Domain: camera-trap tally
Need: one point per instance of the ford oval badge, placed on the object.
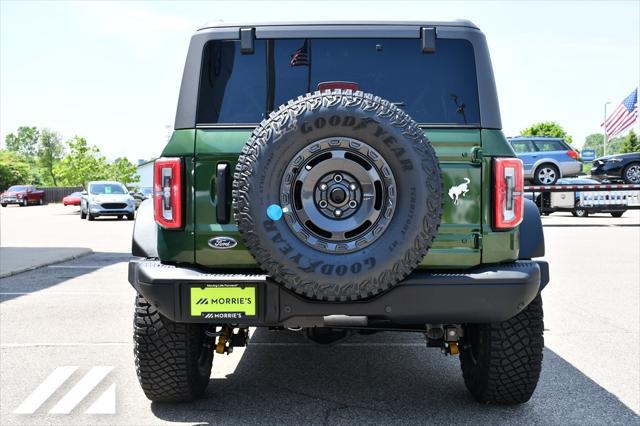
(222, 243)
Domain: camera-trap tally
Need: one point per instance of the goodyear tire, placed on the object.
(338, 195)
(173, 360)
(501, 362)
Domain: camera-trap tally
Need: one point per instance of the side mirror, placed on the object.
(84, 193)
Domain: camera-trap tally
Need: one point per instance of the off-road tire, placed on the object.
(501, 362)
(396, 251)
(173, 360)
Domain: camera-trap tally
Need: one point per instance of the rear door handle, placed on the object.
(222, 193)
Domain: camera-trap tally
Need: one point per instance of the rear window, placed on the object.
(522, 146)
(550, 146)
(435, 88)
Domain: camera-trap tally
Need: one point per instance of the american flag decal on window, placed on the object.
(301, 56)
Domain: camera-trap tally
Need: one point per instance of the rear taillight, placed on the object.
(167, 197)
(508, 185)
(573, 155)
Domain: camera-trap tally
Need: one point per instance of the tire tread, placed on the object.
(166, 356)
(509, 358)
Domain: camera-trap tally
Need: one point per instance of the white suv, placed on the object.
(106, 198)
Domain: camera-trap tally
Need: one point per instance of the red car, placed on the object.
(22, 195)
(72, 199)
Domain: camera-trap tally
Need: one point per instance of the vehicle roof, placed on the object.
(452, 23)
(535, 138)
(625, 155)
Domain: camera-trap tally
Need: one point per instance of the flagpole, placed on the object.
(604, 125)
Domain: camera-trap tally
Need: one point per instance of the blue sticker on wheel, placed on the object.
(274, 212)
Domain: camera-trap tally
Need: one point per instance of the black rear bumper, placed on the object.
(484, 294)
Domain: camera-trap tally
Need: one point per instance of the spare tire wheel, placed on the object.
(338, 195)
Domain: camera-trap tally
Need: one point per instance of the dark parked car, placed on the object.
(624, 167)
(22, 195)
(141, 195)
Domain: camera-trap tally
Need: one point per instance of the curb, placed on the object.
(53, 262)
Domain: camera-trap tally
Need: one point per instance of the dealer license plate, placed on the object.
(223, 301)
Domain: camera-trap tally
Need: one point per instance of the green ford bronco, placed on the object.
(334, 178)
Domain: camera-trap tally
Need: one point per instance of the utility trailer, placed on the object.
(582, 199)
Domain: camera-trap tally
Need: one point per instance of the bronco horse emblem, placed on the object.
(455, 192)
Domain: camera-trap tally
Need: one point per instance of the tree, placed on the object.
(595, 141)
(82, 164)
(123, 171)
(50, 151)
(546, 128)
(630, 143)
(14, 169)
(24, 142)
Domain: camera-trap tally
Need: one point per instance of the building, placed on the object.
(145, 171)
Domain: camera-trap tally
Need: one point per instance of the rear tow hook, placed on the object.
(445, 337)
(227, 339)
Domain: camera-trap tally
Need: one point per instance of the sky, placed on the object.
(111, 71)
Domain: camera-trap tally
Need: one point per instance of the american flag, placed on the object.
(624, 116)
(301, 56)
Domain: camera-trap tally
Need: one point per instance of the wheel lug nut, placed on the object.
(353, 204)
(337, 178)
(338, 212)
(323, 187)
(322, 204)
(352, 187)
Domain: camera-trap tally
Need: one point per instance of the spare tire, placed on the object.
(338, 195)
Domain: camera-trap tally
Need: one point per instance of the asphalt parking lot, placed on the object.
(79, 314)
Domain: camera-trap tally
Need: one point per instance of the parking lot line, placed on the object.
(57, 344)
(77, 266)
(45, 390)
(81, 390)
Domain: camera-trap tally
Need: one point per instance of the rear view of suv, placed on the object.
(546, 159)
(334, 178)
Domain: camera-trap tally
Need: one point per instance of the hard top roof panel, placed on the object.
(454, 23)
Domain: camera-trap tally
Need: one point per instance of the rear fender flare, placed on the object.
(145, 232)
(531, 233)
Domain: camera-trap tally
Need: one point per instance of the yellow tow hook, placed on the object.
(221, 346)
(452, 348)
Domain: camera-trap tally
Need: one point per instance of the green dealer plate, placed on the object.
(223, 301)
